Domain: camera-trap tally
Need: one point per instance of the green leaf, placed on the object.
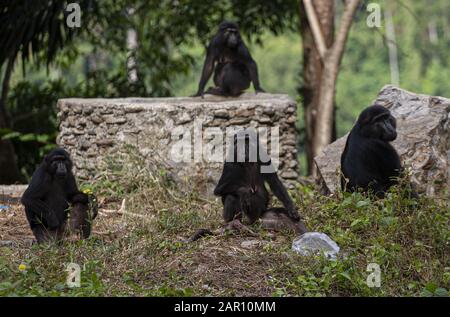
(42, 138)
(362, 203)
(441, 292)
(388, 221)
(355, 222)
(347, 201)
(426, 293)
(28, 137)
(431, 287)
(11, 135)
(346, 275)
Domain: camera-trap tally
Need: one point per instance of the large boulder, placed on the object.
(423, 141)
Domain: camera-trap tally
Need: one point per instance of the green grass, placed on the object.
(143, 253)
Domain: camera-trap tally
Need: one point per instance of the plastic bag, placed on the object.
(315, 243)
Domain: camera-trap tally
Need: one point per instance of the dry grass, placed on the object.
(138, 249)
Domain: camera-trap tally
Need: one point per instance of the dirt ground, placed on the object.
(14, 227)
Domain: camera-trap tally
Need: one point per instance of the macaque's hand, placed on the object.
(293, 214)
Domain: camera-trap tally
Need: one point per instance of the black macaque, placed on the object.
(242, 184)
(233, 66)
(48, 195)
(369, 162)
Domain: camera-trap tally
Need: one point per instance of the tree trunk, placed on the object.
(331, 58)
(9, 172)
(392, 48)
(312, 68)
(131, 60)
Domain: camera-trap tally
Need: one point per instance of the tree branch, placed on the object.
(315, 28)
(344, 28)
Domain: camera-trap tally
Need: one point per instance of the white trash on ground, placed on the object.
(315, 243)
(4, 207)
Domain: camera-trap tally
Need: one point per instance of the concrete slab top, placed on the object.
(261, 99)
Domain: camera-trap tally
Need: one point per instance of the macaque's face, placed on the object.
(58, 167)
(232, 37)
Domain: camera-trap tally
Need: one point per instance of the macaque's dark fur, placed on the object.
(242, 184)
(233, 66)
(369, 162)
(48, 195)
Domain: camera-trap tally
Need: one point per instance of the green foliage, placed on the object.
(51, 280)
(33, 121)
(432, 289)
(33, 28)
(423, 65)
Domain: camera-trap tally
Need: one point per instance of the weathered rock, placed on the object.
(151, 124)
(84, 145)
(269, 111)
(250, 244)
(291, 109)
(78, 131)
(265, 119)
(114, 120)
(185, 118)
(423, 141)
(105, 142)
(239, 121)
(221, 113)
(97, 119)
(291, 119)
(12, 190)
(289, 175)
(134, 109)
(88, 110)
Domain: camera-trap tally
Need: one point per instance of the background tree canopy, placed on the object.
(53, 61)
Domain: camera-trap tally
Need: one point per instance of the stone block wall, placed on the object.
(92, 129)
